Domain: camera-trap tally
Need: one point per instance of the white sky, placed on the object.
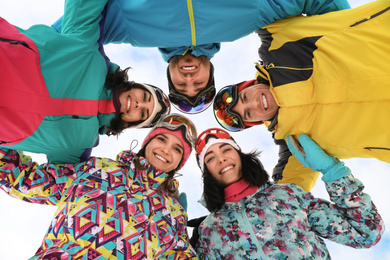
(23, 225)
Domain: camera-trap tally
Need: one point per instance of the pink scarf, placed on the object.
(238, 190)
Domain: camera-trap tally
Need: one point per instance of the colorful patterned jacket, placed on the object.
(106, 209)
(199, 25)
(54, 99)
(329, 75)
(282, 221)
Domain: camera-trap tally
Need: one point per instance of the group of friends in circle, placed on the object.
(313, 90)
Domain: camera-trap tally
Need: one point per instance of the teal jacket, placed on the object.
(198, 25)
(54, 99)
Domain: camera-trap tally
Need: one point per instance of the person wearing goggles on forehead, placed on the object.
(188, 34)
(123, 207)
(319, 82)
(59, 91)
(250, 218)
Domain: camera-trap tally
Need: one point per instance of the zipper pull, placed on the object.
(271, 65)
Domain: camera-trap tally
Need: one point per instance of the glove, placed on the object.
(312, 156)
(195, 233)
(183, 200)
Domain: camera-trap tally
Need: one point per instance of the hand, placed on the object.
(183, 200)
(312, 156)
(195, 233)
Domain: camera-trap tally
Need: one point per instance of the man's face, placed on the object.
(189, 74)
(256, 103)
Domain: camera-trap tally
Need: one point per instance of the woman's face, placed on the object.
(164, 151)
(136, 104)
(223, 163)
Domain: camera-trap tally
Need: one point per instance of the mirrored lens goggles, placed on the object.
(201, 103)
(224, 102)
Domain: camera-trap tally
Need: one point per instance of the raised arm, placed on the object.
(290, 170)
(82, 18)
(273, 10)
(352, 219)
(24, 179)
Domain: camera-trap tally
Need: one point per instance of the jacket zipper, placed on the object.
(248, 226)
(15, 42)
(192, 21)
(377, 148)
(272, 66)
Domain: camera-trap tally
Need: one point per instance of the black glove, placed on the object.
(195, 234)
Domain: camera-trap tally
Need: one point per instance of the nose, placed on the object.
(221, 159)
(140, 104)
(189, 75)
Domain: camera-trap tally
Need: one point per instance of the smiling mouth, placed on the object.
(128, 104)
(226, 169)
(189, 68)
(264, 102)
(160, 158)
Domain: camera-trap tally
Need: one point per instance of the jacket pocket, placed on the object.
(380, 153)
(15, 42)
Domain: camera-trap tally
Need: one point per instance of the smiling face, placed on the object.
(256, 103)
(136, 104)
(164, 151)
(223, 163)
(189, 74)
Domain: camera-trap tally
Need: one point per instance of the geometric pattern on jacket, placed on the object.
(106, 209)
(284, 222)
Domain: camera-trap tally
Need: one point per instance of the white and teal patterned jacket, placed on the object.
(284, 222)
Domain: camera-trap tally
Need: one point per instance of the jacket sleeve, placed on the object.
(290, 170)
(82, 17)
(273, 10)
(352, 219)
(24, 179)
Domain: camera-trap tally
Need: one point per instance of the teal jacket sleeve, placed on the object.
(352, 219)
(273, 10)
(82, 18)
(24, 179)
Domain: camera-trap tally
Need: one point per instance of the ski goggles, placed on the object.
(224, 102)
(203, 137)
(176, 121)
(193, 105)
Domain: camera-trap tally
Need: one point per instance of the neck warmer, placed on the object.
(238, 190)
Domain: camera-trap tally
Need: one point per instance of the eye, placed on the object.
(145, 96)
(248, 114)
(198, 83)
(209, 159)
(178, 149)
(227, 150)
(143, 114)
(245, 99)
(161, 139)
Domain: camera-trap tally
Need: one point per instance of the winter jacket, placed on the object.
(106, 209)
(329, 75)
(282, 221)
(198, 25)
(53, 94)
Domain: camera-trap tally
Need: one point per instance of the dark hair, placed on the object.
(119, 80)
(253, 172)
(168, 184)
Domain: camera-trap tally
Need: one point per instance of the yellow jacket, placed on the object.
(330, 76)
